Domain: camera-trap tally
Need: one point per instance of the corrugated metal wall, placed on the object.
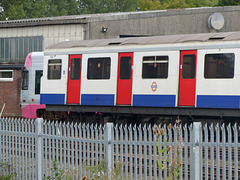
(51, 33)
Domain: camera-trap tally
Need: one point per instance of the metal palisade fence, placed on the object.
(37, 149)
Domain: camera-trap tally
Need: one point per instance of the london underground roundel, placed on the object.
(154, 86)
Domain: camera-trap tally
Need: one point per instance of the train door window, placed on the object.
(125, 67)
(54, 69)
(38, 75)
(75, 69)
(219, 65)
(6, 75)
(155, 67)
(188, 67)
(99, 68)
(24, 80)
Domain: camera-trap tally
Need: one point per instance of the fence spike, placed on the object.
(149, 127)
(217, 127)
(115, 127)
(91, 126)
(140, 127)
(130, 127)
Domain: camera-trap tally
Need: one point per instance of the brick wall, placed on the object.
(10, 94)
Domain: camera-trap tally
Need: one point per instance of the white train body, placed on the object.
(197, 71)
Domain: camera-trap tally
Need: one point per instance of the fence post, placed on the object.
(39, 148)
(108, 132)
(195, 166)
(1, 140)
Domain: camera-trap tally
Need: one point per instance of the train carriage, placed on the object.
(187, 75)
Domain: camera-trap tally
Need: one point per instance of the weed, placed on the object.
(58, 173)
(164, 161)
(100, 171)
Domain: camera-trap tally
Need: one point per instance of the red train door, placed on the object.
(74, 79)
(187, 83)
(125, 74)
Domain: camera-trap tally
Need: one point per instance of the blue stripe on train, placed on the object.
(154, 100)
(52, 98)
(209, 101)
(97, 99)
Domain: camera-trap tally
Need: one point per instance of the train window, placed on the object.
(25, 80)
(54, 69)
(125, 67)
(75, 69)
(99, 68)
(188, 67)
(38, 75)
(6, 75)
(219, 65)
(155, 67)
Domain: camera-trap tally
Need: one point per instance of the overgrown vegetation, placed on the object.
(167, 153)
(7, 171)
(100, 171)
(57, 173)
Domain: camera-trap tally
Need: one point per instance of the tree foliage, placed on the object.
(202, 3)
(21, 9)
(174, 4)
(105, 6)
(229, 2)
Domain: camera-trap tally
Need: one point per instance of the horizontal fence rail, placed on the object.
(34, 149)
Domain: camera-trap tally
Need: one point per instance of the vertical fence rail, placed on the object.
(236, 166)
(38, 148)
(186, 164)
(206, 172)
(195, 165)
(108, 144)
(39, 145)
(229, 151)
(223, 132)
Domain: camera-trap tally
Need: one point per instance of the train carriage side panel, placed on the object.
(218, 79)
(99, 79)
(155, 81)
(54, 80)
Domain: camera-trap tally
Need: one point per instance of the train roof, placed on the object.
(151, 40)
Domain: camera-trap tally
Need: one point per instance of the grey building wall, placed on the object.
(162, 22)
